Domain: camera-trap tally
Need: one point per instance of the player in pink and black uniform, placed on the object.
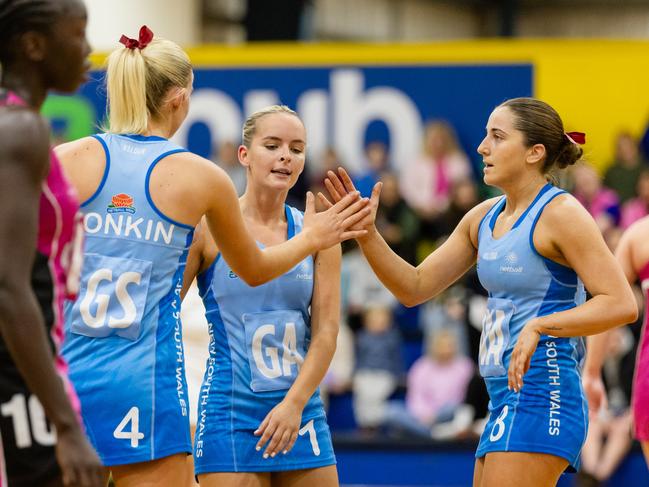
(42, 46)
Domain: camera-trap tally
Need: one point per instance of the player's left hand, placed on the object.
(519, 363)
(279, 429)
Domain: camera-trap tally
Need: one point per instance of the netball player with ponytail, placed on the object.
(260, 421)
(142, 196)
(42, 47)
(535, 247)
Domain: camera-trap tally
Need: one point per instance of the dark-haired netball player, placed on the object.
(42, 46)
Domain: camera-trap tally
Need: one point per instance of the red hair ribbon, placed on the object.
(146, 36)
(577, 138)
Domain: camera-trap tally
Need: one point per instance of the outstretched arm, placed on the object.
(255, 266)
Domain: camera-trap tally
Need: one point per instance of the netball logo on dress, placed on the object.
(303, 273)
(121, 203)
(511, 259)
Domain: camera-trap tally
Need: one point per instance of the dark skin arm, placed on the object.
(24, 162)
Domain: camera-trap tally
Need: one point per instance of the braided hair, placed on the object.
(19, 16)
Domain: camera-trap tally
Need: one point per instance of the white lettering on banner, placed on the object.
(337, 118)
(110, 225)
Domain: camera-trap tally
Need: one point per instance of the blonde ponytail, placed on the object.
(138, 82)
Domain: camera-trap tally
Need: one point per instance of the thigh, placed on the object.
(322, 477)
(166, 472)
(477, 472)
(234, 479)
(513, 469)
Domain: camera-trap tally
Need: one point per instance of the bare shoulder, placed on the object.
(471, 221)
(564, 212)
(24, 138)
(80, 148)
(201, 171)
(639, 230)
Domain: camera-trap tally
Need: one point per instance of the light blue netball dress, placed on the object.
(259, 337)
(123, 334)
(550, 413)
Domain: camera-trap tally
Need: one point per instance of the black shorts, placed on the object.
(28, 438)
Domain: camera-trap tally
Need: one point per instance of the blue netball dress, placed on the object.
(259, 337)
(123, 334)
(549, 414)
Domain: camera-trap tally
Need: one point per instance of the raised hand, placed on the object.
(339, 185)
(279, 429)
(519, 363)
(337, 223)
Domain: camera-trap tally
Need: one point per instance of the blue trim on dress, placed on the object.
(105, 176)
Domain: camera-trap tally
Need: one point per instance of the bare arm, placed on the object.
(568, 233)
(321, 230)
(575, 235)
(23, 166)
(414, 285)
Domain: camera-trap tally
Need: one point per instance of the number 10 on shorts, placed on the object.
(121, 433)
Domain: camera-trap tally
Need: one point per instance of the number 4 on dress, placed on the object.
(133, 416)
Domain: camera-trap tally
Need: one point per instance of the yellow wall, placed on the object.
(598, 86)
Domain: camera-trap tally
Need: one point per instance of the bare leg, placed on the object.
(618, 443)
(234, 479)
(514, 469)
(477, 472)
(322, 477)
(166, 472)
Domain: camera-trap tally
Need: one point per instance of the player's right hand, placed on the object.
(80, 465)
(332, 226)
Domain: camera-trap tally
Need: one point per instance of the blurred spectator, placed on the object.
(464, 196)
(360, 288)
(437, 385)
(339, 376)
(379, 367)
(622, 175)
(637, 207)
(228, 160)
(376, 162)
(317, 172)
(396, 221)
(426, 181)
(602, 203)
(609, 432)
(447, 312)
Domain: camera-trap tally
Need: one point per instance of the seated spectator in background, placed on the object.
(396, 221)
(637, 207)
(610, 432)
(317, 172)
(376, 162)
(379, 367)
(228, 160)
(341, 370)
(437, 384)
(602, 203)
(621, 176)
(426, 181)
(360, 288)
(447, 312)
(464, 196)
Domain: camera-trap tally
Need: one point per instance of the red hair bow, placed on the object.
(146, 36)
(578, 138)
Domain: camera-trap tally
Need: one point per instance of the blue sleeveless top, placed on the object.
(123, 334)
(259, 337)
(522, 284)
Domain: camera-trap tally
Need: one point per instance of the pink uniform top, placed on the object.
(55, 274)
(641, 378)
